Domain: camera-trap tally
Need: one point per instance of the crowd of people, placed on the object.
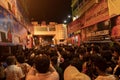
(63, 62)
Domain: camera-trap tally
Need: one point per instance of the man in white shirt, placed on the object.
(13, 72)
(72, 72)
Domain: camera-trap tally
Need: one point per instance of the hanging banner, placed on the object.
(114, 7)
(83, 35)
(97, 13)
(98, 32)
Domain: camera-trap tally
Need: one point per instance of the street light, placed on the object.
(69, 16)
(65, 21)
(68, 20)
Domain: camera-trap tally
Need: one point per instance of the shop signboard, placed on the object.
(98, 32)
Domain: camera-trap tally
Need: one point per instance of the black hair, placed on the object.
(20, 59)
(77, 63)
(54, 60)
(100, 62)
(11, 60)
(42, 63)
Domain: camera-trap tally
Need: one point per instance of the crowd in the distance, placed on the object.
(63, 62)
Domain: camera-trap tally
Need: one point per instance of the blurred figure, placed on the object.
(101, 66)
(117, 69)
(13, 72)
(73, 71)
(107, 55)
(21, 63)
(43, 70)
(54, 61)
(2, 74)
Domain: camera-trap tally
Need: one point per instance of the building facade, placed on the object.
(92, 21)
(56, 32)
(13, 26)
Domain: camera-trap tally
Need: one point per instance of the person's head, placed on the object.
(11, 60)
(20, 59)
(96, 49)
(77, 63)
(118, 61)
(80, 53)
(54, 60)
(107, 54)
(42, 63)
(88, 49)
(100, 64)
(116, 50)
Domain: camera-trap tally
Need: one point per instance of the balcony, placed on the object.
(83, 7)
(44, 30)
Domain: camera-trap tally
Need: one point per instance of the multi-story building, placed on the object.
(52, 33)
(93, 20)
(79, 7)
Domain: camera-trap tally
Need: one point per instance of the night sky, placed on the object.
(49, 10)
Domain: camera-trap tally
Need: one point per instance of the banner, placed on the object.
(115, 27)
(114, 7)
(10, 27)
